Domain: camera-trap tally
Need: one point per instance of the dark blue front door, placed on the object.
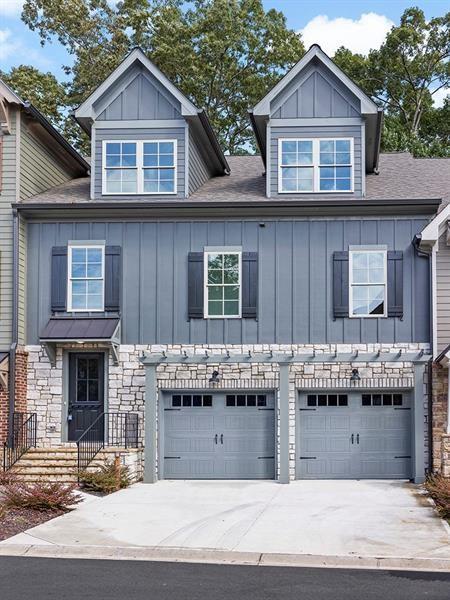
(86, 393)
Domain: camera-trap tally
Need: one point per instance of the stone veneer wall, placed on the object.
(441, 441)
(21, 394)
(126, 382)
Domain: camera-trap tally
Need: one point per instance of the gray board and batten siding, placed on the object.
(316, 92)
(137, 95)
(295, 287)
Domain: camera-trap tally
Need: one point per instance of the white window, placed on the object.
(222, 285)
(86, 278)
(139, 167)
(368, 287)
(318, 165)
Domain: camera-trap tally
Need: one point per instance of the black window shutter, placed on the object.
(395, 283)
(249, 285)
(59, 279)
(340, 285)
(113, 277)
(195, 285)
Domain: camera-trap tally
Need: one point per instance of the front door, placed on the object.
(86, 393)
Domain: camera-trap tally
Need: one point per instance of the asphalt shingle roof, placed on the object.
(400, 177)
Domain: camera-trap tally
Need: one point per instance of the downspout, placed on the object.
(431, 256)
(14, 327)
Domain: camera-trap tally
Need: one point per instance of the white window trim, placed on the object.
(351, 284)
(316, 165)
(205, 283)
(69, 278)
(139, 167)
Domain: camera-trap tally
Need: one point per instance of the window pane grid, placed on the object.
(86, 278)
(315, 165)
(368, 283)
(223, 284)
(140, 167)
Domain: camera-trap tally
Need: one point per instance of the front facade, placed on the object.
(33, 158)
(260, 317)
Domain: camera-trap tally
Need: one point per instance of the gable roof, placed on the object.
(368, 106)
(372, 114)
(8, 95)
(86, 113)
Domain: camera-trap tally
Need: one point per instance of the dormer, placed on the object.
(148, 141)
(317, 131)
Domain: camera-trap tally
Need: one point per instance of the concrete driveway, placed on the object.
(362, 518)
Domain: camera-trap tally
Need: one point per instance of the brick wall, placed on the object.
(21, 394)
(441, 455)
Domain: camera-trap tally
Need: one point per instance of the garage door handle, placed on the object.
(221, 438)
(357, 438)
(352, 438)
(216, 437)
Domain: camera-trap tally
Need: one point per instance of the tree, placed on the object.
(41, 89)
(403, 76)
(223, 54)
(411, 67)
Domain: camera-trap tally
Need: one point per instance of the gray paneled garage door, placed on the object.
(219, 435)
(354, 435)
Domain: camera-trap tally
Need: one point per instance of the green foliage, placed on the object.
(439, 489)
(106, 479)
(42, 496)
(224, 54)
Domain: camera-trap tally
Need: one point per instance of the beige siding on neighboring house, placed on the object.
(39, 169)
(22, 280)
(443, 293)
(7, 196)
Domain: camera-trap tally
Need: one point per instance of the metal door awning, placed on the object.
(81, 330)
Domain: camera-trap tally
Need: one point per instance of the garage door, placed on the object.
(354, 435)
(219, 436)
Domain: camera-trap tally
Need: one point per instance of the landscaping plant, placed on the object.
(40, 496)
(439, 489)
(109, 478)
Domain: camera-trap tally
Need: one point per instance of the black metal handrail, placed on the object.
(23, 438)
(108, 429)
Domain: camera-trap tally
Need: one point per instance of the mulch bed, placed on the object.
(16, 520)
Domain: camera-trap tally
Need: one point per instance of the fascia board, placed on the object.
(368, 106)
(86, 108)
(431, 233)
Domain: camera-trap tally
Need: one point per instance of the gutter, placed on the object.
(213, 140)
(428, 254)
(33, 112)
(428, 203)
(257, 134)
(376, 158)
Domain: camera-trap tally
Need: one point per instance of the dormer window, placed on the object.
(140, 167)
(315, 166)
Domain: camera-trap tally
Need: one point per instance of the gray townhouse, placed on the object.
(34, 157)
(253, 317)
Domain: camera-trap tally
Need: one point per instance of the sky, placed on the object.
(357, 24)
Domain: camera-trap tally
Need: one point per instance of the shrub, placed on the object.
(43, 495)
(7, 477)
(107, 479)
(439, 489)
